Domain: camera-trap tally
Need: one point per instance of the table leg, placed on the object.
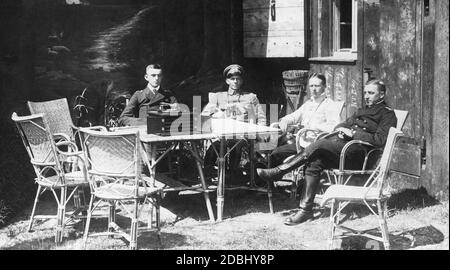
(152, 172)
(202, 180)
(252, 161)
(152, 169)
(221, 180)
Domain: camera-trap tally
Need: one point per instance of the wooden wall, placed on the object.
(400, 59)
(438, 95)
(414, 63)
(343, 83)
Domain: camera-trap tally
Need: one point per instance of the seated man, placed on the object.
(370, 124)
(150, 98)
(235, 104)
(316, 114)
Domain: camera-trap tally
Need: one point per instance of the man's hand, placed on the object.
(283, 125)
(344, 132)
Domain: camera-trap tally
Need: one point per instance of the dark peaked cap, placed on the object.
(233, 70)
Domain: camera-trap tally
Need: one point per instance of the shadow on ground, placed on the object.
(424, 236)
(237, 203)
(411, 199)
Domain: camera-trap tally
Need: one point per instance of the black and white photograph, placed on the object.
(246, 129)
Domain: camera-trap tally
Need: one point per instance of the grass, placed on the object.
(247, 225)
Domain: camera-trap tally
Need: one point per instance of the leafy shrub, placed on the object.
(16, 173)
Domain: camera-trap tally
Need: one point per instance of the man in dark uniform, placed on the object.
(370, 124)
(151, 98)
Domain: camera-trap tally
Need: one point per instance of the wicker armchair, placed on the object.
(373, 192)
(58, 116)
(62, 128)
(114, 169)
(342, 175)
(47, 160)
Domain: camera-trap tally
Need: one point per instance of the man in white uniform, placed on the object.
(318, 114)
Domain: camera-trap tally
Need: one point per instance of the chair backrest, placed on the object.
(112, 153)
(381, 172)
(401, 118)
(38, 142)
(57, 114)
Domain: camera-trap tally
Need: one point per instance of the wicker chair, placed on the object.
(114, 162)
(58, 116)
(47, 160)
(62, 128)
(342, 175)
(372, 192)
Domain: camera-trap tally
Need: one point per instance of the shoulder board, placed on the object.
(389, 108)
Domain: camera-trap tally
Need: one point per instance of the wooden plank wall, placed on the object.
(435, 99)
(371, 37)
(400, 59)
(440, 110)
(343, 84)
(282, 35)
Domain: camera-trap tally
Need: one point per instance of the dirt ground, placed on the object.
(247, 225)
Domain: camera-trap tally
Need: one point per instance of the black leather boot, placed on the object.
(306, 202)
(300, 217)
(274, 174)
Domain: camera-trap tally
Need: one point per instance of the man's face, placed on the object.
(372, 94)
(154, 77)
(235, 82)
(316, 87)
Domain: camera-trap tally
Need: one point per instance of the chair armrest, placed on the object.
(345, 149)
(61, 136)
(72, 146)
(99, 128)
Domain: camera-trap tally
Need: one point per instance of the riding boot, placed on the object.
(274, 174)
(306, 202)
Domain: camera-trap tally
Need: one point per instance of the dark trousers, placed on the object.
(325, 154)
(320, 155)
(282, 152)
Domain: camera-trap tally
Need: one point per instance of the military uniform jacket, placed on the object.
(141, 102)
(371, 124)
(253, 111)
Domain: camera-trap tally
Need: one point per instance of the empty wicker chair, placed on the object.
(114, 162)
(62, 128)
(47, 160)
(58, 116)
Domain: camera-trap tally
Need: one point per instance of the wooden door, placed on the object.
(274, 28)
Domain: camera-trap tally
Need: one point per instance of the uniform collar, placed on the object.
(232, 93)
(153, 90)
(377, 104)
